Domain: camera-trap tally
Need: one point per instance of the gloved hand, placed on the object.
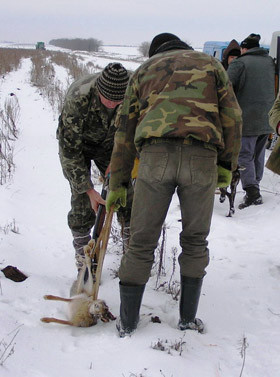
(224, 177)
(116, 198)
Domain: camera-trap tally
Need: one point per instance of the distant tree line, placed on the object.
(78, 44)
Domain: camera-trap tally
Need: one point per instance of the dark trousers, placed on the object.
(251, 157)
(164, 168)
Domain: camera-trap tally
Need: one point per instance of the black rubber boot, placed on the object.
(190, 293)
(252, 196)
(131, 298)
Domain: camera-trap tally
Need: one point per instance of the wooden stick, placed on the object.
(100, 248)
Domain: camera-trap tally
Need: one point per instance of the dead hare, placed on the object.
(84, 310)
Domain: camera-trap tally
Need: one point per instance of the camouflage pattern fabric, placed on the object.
(274, 113)
(181, 94)
(273, 162)
(85, 132)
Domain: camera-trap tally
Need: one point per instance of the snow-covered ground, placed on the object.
(239, 304)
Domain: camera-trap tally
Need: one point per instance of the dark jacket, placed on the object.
(252, 75)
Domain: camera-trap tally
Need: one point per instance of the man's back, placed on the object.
(252, 75)
(190, 94)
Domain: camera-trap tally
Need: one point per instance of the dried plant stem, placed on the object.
(244, 346)
(8, 349)
(161, 253)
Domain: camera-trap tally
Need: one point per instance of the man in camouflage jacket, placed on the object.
(181, 115)
(86, 132)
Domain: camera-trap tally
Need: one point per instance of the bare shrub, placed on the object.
(136, 375)
(92, 68)
(243, 348)
(10, 227)
(144, 48)
(9, 117)
(169, 346)
(55, 92)
(7, 166)
(172, 286)
(42, 76)
(75, 67)
(159, 263)
(42, 72)
(10, 59)
(7, 348)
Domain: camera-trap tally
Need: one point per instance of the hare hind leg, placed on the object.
(56, 320)
(57, 298)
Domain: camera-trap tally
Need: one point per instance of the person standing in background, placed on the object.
(230, 53)
(253, 78)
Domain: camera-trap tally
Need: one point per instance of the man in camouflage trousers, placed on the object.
(86, 133)
(181, 115)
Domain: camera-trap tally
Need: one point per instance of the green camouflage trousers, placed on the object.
(81, 217)
(191, 170)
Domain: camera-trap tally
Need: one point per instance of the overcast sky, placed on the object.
(132, 22)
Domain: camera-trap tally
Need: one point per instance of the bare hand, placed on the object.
(95, 199)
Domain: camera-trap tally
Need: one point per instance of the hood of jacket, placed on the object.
(233, 45)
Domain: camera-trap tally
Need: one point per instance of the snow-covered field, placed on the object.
(240, 302)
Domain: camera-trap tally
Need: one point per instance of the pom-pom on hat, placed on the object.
(253, 40)
(112, 82)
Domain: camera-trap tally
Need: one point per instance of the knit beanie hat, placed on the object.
(112, 82)
(251, 41)
(159, 40)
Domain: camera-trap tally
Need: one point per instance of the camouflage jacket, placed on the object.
(85, 132)
(274, 113)
(273, 162)
(177, 94)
